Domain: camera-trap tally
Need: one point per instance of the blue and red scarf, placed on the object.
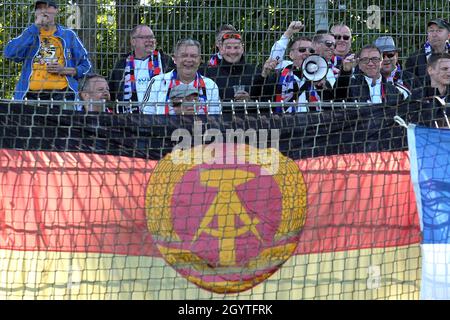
(214, 60)
(288, 85)
(334, 64)
(429, 50)
(129, 85)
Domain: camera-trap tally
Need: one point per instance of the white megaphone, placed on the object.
(314, 68)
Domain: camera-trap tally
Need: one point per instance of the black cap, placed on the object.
(49, 3)
(441, 23)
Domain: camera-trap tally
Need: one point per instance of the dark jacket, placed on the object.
(226, 75)
(417, 65)
(411, 82)
(353, 87)
(272, 88)
(429, 92)
(436, 112)
(117, 77)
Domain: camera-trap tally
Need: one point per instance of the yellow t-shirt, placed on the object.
(50, 50)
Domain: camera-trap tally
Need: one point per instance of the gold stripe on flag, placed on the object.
(374, 273)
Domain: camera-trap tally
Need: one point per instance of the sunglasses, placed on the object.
(339, 37)
(389, 55)
(231, 36)
(329, 44)
(303, 50)
(367, 60)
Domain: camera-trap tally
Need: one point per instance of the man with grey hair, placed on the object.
(132, 74)
(187, 58)
(94, 91)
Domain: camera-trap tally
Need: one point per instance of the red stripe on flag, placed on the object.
(74, 202)
(359, 201)
(94, 203)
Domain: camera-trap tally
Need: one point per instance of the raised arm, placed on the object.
(17, 49)
(279, 48)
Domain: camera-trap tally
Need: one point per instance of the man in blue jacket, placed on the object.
(53, 57)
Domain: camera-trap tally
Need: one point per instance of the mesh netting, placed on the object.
(146, 155)
(311, 206)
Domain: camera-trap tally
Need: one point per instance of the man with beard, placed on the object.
(438, 34)
(132, 74)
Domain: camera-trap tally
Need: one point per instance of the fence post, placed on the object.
(321, 14)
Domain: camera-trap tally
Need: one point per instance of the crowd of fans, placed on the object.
(56, 67)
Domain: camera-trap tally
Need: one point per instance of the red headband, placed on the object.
(231, 36)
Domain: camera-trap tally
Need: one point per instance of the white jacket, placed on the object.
(155, 96)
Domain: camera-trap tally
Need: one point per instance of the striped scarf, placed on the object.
(334, 63)
(395, 78)
(288, 86)
(214, 60)
(198, 83)
(129, 85)
(429, 50)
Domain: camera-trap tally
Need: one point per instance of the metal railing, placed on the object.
(233, 106)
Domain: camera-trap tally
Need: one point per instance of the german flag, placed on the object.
(109, 207)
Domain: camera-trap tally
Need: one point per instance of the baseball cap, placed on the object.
(441, 23)
(385, 43)
(182, 90)
(48, 3)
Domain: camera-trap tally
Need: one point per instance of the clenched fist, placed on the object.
(294, 27)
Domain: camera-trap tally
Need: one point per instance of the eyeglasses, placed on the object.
(231, 36)
(389, 55)
(303, 50)
(145, 37)
(329, 44)
(367, 60)
(339, 37)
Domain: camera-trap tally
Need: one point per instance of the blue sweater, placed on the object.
(25, 47)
